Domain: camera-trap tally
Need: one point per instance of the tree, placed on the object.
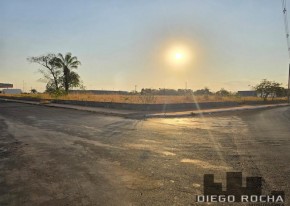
(223, 92)
(268, 88)
(57, 72)
(73, 79)
(204, 91)
(67, 63)
(281, 92)
(33, 91)
(52, 72)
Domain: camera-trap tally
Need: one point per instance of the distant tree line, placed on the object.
(265, 89)
(163, 91)
(204, 91)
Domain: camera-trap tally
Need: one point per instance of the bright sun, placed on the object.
(178, 56)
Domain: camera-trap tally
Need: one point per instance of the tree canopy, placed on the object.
(67, 63)
(57, 71)
(223, 92)
(268, 88)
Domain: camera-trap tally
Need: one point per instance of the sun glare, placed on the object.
(178, 56)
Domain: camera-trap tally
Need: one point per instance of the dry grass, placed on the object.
(139, 99)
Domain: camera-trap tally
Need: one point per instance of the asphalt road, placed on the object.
(53, 156)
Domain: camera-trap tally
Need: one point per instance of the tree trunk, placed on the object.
(55, 82)
(66, 79)
(266, 96)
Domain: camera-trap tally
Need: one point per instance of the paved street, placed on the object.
(56, 156)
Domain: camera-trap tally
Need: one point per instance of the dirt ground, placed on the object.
(51, 156)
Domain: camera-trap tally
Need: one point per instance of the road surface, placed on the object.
(54, 156)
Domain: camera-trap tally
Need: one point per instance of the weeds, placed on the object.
(140, 99)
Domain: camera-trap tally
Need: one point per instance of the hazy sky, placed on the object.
(223, 43)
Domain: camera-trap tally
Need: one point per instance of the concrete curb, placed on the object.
(87, 109)
(144, 115)
(213, 111)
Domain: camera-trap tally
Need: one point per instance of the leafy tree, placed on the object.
(74, 79)
(281, 92)
(33, 91)
(204, 91)
(223, 92)
(67, 63)
(51, 88)
(268, 88)
(185, 91)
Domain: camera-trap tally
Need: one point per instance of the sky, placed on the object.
(227, 44)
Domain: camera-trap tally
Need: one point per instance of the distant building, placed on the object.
(97, 92)
(6, 88)
(247, 93)
(6, 85)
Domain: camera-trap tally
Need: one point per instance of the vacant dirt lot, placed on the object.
(51, 156)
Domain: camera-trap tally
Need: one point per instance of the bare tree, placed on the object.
(51, 71)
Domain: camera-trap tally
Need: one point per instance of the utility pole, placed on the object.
(284, 8)
(135, 88)
(288, 90)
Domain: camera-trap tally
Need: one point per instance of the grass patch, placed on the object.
(139, 99)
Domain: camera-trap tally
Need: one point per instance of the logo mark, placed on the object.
(235, 192)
